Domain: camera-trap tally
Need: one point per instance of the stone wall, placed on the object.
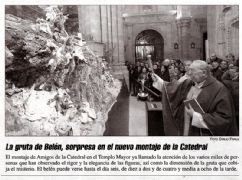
(164, 28)
(223, 30)
(116, 27)
(139, 18)
(183, 25)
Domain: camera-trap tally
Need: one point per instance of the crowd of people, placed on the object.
(170, 70)
(225, 71)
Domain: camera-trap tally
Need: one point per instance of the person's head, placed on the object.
(171, 69)
(213, 56)
(230, 57)
(144, 70)
(187, 63)
(166, 62)
(224, 65)
(176, 63)
(198, 71)
(182, 68)
(233, 71)
(139, 68)
(215, 64)
(137, 63)
(155, 66)
(142, 64)
(176, 70)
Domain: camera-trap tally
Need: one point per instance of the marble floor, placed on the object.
(137, 117)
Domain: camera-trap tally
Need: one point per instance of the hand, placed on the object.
(154, 77)
(189, 110)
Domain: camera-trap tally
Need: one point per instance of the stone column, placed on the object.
(183, 26)
(120, 35)
(114, 34)
(107, 33)
(221, 41)
(103, 25)
(89, 22)
(120, 70)
(90, 25)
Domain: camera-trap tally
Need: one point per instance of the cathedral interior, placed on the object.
(117, 37)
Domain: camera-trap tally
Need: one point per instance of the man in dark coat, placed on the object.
(135, 74)
(213, 97)
(232, 83)
(213, 57)
(131, 79)
(216, 72)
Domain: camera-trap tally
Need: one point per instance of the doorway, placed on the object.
(149, 42)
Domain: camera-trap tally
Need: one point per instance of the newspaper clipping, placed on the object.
(134, 90)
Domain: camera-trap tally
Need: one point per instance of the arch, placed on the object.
(151, 42)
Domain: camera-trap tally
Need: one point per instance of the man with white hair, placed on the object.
(218, 118)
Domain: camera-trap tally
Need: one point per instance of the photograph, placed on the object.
(121, 70)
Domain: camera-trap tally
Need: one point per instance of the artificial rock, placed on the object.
(55, 85)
